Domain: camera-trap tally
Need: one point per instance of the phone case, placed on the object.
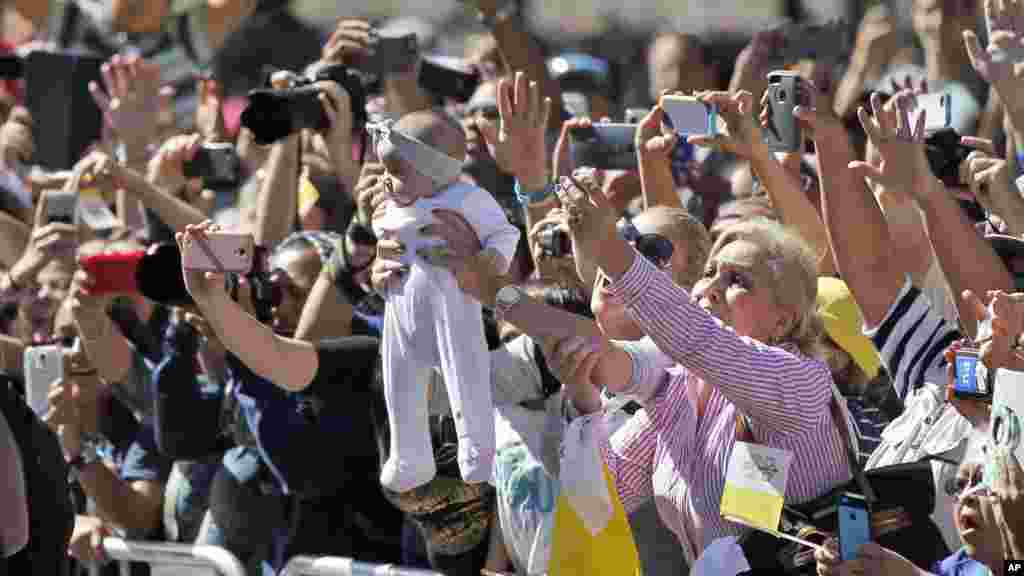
(783, 134)
(854, 525)
(61, 206)
(688, 116)
(605, 146)
(43, 365)
(220, 252)
(973, 379)
(937, 109)
(114, 273)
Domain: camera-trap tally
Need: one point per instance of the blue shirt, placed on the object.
(960, 564)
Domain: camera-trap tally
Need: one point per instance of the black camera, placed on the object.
(555, 242)
(273, 114)
(945, 155)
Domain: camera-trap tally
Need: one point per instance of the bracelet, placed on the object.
(535, 197)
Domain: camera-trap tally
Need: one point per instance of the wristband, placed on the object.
(534, 197)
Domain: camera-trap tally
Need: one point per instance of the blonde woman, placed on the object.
(745, 343)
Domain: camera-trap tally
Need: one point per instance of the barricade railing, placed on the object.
(334, 566)
(162, 553)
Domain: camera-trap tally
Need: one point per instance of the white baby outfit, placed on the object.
(430, 324)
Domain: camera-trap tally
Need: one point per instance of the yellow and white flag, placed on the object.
(755, 485)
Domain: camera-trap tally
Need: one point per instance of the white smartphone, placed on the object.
(689, 116)
(43, 366)
(938, 111)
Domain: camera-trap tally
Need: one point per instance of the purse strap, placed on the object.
(744, 434)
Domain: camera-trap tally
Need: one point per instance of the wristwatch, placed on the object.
(506, 299)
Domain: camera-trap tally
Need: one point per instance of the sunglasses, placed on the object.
(654, 247)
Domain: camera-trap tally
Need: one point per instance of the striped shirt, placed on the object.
(666, 452)
(912, 338)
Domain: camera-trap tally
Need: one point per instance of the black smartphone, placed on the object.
(448, 78)
(216, 164)
(391, 54)
(785, 92)
(605, 146)
(635, 115)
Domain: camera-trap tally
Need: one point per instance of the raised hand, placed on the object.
(651, 142)
(742, 135)
(904, 166)
(590, 216)
(130, 100)
(167, 167)
(202, 286)
(209, 112)
(562, 164)
(520, 147)
(350, 44)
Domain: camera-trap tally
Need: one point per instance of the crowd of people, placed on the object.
(457, 343)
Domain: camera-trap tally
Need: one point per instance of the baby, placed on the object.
(429, 323)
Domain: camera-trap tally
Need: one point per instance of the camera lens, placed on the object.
(782, 95)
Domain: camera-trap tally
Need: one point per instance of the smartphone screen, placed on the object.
(854, 525)
(392, 54)
(973, 379)
(605, 146)
(688, 116)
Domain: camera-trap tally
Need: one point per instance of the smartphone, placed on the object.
(61, 206)
(937, 109)
(114, 273)
(220, 252)
(43, 366)
(972, 379)
(605, 146)
(688, 116)
(391, 54)
(854, 524)
(448, 77)
(785, 92)
(216, 164)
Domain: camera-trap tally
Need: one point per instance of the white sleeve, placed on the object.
(488, 219)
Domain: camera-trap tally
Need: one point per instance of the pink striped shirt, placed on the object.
(666, 452)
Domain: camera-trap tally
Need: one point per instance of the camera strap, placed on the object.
(428, 161)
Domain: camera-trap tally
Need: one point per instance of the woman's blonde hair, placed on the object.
(793, 270)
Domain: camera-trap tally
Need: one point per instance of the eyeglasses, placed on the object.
(654, 247)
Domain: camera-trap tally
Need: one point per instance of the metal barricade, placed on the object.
(174, 554)
(334, 566)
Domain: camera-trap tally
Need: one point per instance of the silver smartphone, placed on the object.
(938, 111)
(43, 366)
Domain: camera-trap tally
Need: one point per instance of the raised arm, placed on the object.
(857, 230)
(288, 363)
(779, 389)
